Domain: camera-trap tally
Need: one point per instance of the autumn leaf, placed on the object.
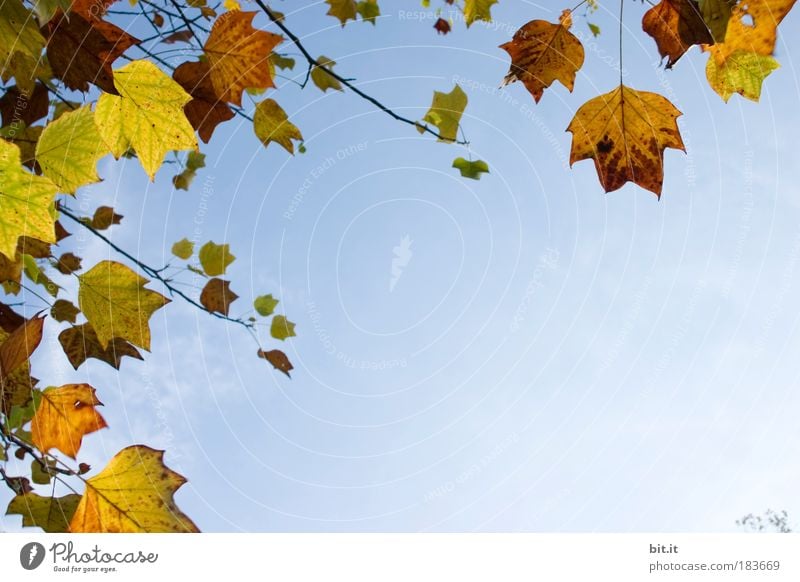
(36, 104)
(625, 132)
(206, 110)
(68, 263)
(64, 416)
(281, 328)
(82, 50)
(133, 494)
(471, 169)
(475, 10)
(446, 111)
(52, 514)
(368, 10)
(717, 14)
(321, 76)
(26, 200)
(81, 343)
(194, 161)
(146, 116)
(344, 10)
(215, 258)
(104, 218)
(271, 124)
(278, 359)
(114, 300)
(63, 310)
(217, 296)
(753, 27)
(541, 53)
(676, 25)
(442, 26)
(69, 148)
(17, 348)
(9, 319)
(743, 72)
(21, 44)
(238, 56)
(183, 249)
(265, 305)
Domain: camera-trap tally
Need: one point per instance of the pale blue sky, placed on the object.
(551, 358)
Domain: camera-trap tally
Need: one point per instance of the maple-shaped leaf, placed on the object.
(81, 51)
(238, 56)
(344, 10)
(132, 494)
(25, 106)
(717, 14)
(541, 53)
(265, 305)
(271, 124)
(321, 75)
(278, 359)
(194, 161)
(368, 10)
(206, 110)
(676, 25)
(281, 328)
(475, 10)
(446, 111)
(743, 72)
(69, 148)
(21, 44)
(104, 218)
(625, 132)
(80, 343)
(68, 263)
(114, 300)
(64, 416)
(215, 258)
(471, 169)
(183, 249)
(63, 310)
(27, 202)
(146, 116)
(26, 139)
(217, 296)
(52, 514)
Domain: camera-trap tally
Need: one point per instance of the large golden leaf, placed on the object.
(543, 52)
(238, 56)
(64, 415)
(133, 494)
(625, 132)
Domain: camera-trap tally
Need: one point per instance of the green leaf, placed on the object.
(344, 10)
(471, 169)
(69, 149)
(322, 78)
(271, 124)
(114, 300)
(594, 29)
(147, 116)
(52, 514)
(265, 305)
(282, 62)
(183, 249)
(39, 475)
(26, 202)
(281, 328)
(45, 9)
(21, 44)
(716, 14)
(446, 111)
(194, 161)
(743, 72)
(478, 10)
(368, 10)
(35, 274)
(215, 258)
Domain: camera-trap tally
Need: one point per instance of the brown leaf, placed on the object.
(64, 310)
(442, 26)
(68, 263)
(61, 232)
(10, 271)
(9, 319)
(80, 343)
(206, 110)
(36, 248)
(180, 36)
(16, 105)
(105, 217)
(217, 297)
(278, 359)
(19, 346)
(676, 25)
(81, 51)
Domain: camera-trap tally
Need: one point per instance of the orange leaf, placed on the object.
(238, 55)
(64, 416)
(206, 110)
(753, 27)
(278, 359)
(543, 52)
(625, 132)
(676, 25)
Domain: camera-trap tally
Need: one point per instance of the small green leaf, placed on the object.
(594, 29)
(265, 305)
(470, 169)
(183, 249)
(368, 10)
(215, 258)
(322, 78)
(281, 328)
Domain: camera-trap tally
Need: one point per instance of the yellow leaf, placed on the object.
(215, 258)
(344, 10)
(21, 44)
(114, 300)
(133, 494)
(271, 124)
(238, 56)
(231, 5)
(478, 10)
(743, 72)
(541, 53)
(64, 416)
(27, 202)
(52, 514)
(753, 27)
(146, 116)
(322, 78)
(625, 132)
(69, 148)
(446, 111)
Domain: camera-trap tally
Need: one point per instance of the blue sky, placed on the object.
(549, 358)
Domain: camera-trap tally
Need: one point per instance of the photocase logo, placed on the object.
(402, 256)
(31, 555)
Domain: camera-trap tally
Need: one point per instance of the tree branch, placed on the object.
(312, 62)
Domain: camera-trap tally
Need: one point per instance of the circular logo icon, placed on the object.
(31, 555)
